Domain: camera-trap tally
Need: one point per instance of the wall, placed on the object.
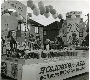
(32, 31)
(41, 34)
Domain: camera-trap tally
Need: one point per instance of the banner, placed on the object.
(61, 69)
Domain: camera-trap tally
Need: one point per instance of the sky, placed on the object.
(61, 6)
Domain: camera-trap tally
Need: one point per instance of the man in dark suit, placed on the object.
(12, 40)
(60, 42)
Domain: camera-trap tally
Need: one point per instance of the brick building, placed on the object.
(35, 28)
(52, 30)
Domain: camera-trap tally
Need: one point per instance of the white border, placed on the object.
(45, 0)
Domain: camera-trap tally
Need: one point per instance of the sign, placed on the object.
(60, 69)
(57, 70)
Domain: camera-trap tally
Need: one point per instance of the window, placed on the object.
(36, 30)
(19, 26)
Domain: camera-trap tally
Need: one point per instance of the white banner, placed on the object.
(61, 69)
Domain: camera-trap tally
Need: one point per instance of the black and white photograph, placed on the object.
(44, 40)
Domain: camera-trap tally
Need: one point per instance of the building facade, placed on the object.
(36, 29)
(52, 30)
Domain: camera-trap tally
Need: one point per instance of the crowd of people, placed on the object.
(58, 42)
(35, 42)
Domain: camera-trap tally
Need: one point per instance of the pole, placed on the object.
(25, 35)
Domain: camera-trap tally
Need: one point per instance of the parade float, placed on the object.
(26, 63)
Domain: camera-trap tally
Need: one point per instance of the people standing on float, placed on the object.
(37, 43)
(60, 42)
(31, 41)
(12, 40)
(47, 44)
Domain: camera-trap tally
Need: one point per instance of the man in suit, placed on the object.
(12, 40)
(60, 42)
(37, 43)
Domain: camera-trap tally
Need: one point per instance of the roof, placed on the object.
(53, 26)
(34, 23)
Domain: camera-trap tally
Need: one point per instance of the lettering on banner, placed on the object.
(52, 71)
